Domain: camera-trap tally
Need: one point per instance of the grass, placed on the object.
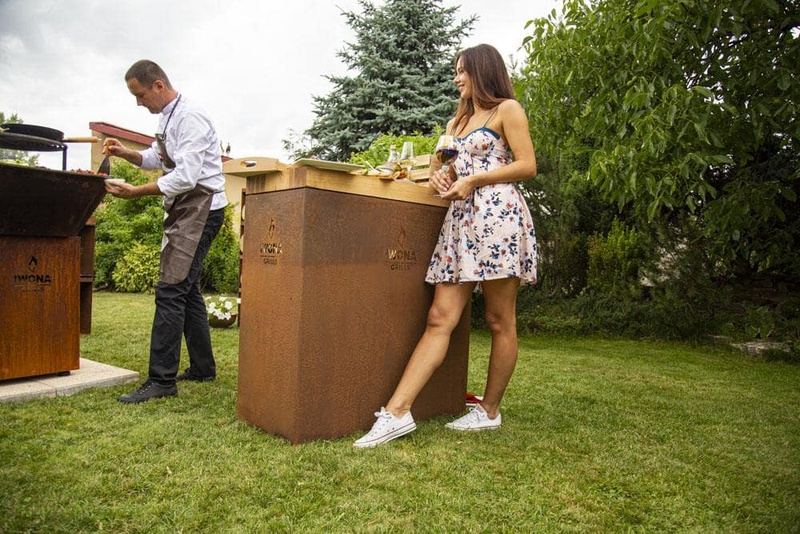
(598, 435)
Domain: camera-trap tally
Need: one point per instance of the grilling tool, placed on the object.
(105, 166)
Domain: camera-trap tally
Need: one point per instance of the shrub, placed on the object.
(221, 265)
(137, 271)
(121, 224)
(792, 355)
(614, 261)
(747, 320)
(563, 264)
(378, 151)
(665, 316)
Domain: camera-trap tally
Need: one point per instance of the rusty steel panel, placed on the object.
(39, 299)
(87, 236)
(269, 327)
(42, 202)
(45, 292)
(334, 302)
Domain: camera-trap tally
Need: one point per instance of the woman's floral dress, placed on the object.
(489, 235)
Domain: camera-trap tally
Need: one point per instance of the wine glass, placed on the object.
(446, 151)
(407, 157)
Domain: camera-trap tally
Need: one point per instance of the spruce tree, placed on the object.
(401, 82)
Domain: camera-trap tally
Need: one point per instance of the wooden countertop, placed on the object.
(268, 174)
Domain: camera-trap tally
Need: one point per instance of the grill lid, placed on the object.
(34, 130)
(17, 141)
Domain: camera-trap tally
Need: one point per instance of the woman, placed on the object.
(487, 238)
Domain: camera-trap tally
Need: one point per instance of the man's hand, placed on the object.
(113, 147)
(122, 189)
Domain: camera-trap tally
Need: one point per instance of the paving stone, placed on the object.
(754, 348)
(91, 374)
(24, 389)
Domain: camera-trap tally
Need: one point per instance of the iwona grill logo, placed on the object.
(400, 256)
(32, 280)
(272, 247)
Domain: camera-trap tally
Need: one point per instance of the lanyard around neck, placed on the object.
(164, 132)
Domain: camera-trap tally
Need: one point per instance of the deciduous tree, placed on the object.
(16, 156)
(684, 113)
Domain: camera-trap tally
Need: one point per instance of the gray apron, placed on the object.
(186, 216)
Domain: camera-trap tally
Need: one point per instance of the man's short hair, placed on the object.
(146, 72)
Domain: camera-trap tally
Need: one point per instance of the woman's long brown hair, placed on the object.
(490, 82)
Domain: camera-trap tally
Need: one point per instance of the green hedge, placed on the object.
(138, 269)
(128, 239)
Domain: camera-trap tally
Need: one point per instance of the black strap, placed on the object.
(164, 132)
(490, 116)
(161, 140)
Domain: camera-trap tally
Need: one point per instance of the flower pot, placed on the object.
(216, 322)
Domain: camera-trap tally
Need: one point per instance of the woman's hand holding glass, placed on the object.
(459, 189)
(445, 151)
(441, 180)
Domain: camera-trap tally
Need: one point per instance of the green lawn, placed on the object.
(598, 435)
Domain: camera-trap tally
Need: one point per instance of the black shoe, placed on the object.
(192, 377)
(149, 390)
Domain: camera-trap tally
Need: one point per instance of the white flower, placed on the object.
(221, 307)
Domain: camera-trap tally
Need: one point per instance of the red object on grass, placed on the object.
(472, 399)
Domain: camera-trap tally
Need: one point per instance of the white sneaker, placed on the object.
(477, 419)
(386, 428)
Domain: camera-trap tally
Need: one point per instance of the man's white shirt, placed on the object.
(193, 145)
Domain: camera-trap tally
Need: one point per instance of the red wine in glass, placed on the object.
(446, 150)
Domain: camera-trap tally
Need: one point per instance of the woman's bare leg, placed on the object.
(445, 312)
(500, 297)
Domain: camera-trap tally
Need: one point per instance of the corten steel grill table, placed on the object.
(334, 299)
(42, 223)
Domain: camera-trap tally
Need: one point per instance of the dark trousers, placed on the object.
(181, 311)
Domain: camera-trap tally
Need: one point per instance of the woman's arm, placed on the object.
(513, 126)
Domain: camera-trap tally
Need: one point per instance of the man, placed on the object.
(193, 187)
